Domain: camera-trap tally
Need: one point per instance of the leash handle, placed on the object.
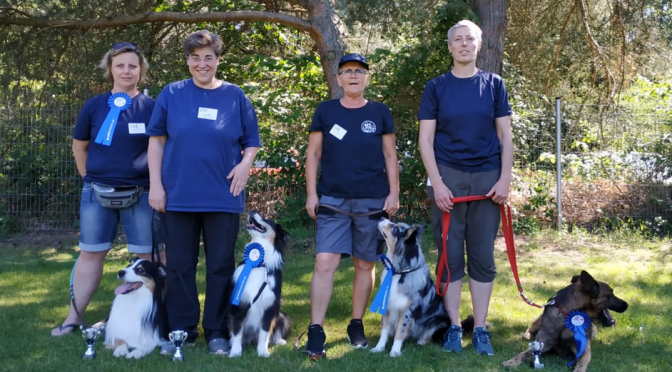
(507, 228)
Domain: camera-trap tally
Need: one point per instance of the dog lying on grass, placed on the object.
(585, 294)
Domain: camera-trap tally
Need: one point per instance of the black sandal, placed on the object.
(64, 327)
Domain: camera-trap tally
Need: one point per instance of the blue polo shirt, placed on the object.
(124, 162)
(465, 110)
(207, 130)
(352, 163)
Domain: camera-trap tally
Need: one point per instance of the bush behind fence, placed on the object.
(616, 167)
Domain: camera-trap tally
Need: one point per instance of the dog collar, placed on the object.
(551, 302)
(402, 272)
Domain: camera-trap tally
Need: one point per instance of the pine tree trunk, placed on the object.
(492, 19)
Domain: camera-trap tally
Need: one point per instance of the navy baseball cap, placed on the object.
(353, 57)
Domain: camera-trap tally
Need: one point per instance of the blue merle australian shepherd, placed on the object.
(413, 309)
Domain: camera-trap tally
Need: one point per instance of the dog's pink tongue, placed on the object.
(123, 288)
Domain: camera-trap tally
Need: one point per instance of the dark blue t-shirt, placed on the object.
(207, 130)
(465, 110)
(354, 165)
(124, 162)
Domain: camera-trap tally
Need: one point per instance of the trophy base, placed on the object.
(537, 365)
(88, 356)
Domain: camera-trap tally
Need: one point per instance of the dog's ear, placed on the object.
(413, 232)
(575, 278)
(161, 270)
(590, 285)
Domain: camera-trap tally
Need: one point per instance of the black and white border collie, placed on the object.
(257, 317)
(138, 322)
(413, 309)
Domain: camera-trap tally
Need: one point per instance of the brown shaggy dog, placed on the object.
(585, 294)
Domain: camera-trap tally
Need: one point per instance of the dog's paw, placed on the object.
(511, 363)
(527, 335)
(120, 351)
(263, 353)
(280, 342)
(137, 354)
(395, 353)
(235, 352)
(378, 349)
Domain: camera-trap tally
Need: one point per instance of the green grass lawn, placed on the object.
(34, 298)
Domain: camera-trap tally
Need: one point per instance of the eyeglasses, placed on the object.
(348, 73)
(124, 44)
(197, 59)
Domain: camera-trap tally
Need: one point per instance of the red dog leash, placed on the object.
(507, 228)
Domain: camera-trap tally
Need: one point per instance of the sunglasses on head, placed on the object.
(124, 44)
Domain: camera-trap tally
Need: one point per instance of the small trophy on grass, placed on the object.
(90, 335)
(536, 347)
(178, 338)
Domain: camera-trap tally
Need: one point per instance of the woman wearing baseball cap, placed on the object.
(352, 139)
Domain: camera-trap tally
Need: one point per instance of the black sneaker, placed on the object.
(315, 344)
(356, 334)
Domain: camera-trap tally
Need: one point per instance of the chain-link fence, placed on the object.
(616, 164)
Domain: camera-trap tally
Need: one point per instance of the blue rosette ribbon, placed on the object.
(578, 322)
(118, 102)
(379, 304)
(253, 256)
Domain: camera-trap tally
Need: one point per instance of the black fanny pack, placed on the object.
(117, 197)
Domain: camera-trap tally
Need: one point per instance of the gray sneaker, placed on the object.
(219, 346)
(167, 348)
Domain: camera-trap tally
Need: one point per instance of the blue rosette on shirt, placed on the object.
(253, 256)
(578, 322)
(379, 304)
(118, 102)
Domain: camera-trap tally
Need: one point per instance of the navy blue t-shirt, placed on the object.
(207, 130)
(124, 162)
(354, 165)
(465, 110)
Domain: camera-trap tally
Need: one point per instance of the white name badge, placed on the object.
(429, 183)
(136, 128)
(207, 113)
(338, 131)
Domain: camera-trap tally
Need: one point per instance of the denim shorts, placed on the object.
(98, 225)
(350, 236)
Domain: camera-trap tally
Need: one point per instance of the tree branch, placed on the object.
(558, 48)
(235, 16)
(595, 47)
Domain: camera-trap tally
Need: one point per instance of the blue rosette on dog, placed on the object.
(578, 322)
(118, 102)
(253, 256)
(379, 304)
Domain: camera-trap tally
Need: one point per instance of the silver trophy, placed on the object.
(90, 335)
(536, 347)
(178, 338)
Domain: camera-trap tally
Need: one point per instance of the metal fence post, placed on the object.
(558, 159)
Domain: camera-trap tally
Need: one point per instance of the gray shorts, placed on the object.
(475, 223)
(350, 236)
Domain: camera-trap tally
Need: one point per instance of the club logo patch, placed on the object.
(368, 126)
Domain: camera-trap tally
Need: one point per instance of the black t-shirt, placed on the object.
(353, 163)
